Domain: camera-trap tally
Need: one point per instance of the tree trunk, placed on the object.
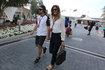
(1, 13)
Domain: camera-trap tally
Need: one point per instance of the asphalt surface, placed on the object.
(83, 53)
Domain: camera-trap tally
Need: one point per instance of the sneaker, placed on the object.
(37, 60)
(44, 50)
(88, 34)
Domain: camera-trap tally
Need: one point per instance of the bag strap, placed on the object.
(53, 23)
(40, 19)
(61, 48)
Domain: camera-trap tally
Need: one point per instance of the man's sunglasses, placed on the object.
(40, 9)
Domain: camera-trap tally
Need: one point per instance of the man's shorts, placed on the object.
(40, 40)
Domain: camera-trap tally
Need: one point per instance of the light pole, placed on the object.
(21, 19)
(88, 13)
(70, 11)
(63, 11)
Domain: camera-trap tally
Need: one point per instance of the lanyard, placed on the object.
(53, 23)
(40, 20)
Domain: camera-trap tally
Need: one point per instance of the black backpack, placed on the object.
(48, 21)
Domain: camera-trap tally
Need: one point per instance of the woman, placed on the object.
(57, 28)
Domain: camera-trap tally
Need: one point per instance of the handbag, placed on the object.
(61, 55)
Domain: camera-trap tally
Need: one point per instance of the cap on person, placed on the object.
(42, 7)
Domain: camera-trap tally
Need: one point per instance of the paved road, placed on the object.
(20, 55)
(94, 43)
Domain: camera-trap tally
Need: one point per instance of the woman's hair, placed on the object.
(57, 9)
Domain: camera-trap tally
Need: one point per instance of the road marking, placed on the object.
(84, 51)
(87, 52)
(79, 50)
(77, 39)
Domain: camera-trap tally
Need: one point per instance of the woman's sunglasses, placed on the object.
(55, 9)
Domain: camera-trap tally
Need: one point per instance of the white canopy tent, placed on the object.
(102, 21)
(87, 18)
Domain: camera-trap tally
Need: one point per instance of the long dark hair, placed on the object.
(57, 9)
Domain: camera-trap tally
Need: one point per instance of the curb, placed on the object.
(14, 39)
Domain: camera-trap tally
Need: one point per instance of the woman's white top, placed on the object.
(58, 27)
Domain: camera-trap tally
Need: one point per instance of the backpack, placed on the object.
(48, 21)
(104, 28)
(68, 30)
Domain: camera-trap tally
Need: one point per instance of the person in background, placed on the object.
(68, 31)
(90, 26)
(42, 28)
(104, 30)
(57, 29)
(97, 27)
(67, 22)
(75, 23)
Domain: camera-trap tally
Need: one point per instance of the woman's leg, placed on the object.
(55, 43)
(53, 59)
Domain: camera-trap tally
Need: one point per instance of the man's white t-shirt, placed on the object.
(42, 29)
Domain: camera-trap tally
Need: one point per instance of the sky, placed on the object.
(91, 8)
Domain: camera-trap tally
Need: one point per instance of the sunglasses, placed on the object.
(40, 9)
(55, 9)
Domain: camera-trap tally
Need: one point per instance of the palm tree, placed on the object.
(40, 2)
(34, 5)
(103, 15)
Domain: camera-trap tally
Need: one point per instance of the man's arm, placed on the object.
(34, 29)
(48, 27)
(48, 36)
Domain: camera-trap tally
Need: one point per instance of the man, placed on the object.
(75, 23)
(91, 26)
(42, 27)
(67, 22)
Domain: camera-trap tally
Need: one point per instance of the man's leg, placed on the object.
(40, 48)
(40, 51)
(39, 54)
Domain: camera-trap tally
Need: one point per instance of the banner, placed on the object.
(74, 10)
(10, 11)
